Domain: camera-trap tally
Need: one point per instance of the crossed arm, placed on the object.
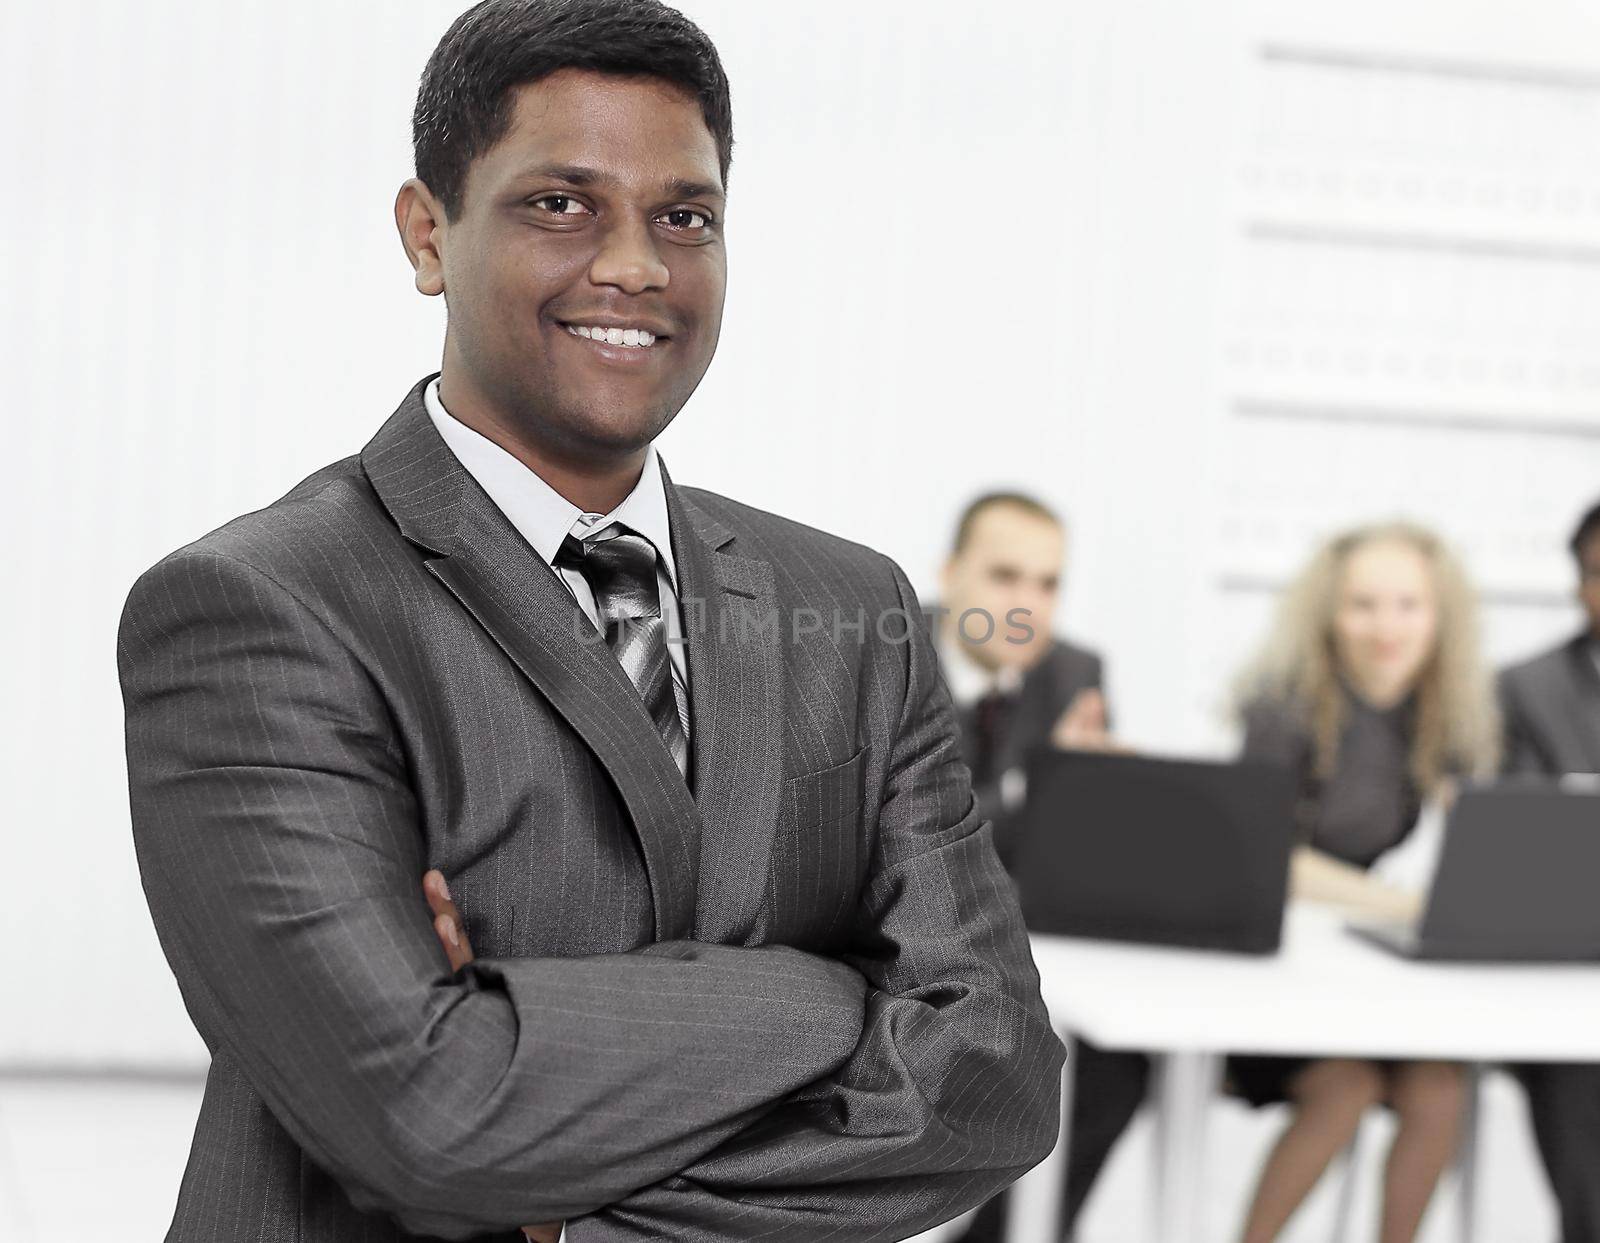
(683, 1089)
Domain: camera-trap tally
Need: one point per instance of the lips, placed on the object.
(631, 337)
(604, 321)
(619, 347)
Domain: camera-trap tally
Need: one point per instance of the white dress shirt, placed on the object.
(544, 518)
(968, 682)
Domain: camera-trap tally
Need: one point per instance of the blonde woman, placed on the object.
(1373, 690)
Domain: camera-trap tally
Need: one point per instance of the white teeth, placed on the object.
(636, 337)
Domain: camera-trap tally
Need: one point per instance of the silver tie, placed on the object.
(621, 571)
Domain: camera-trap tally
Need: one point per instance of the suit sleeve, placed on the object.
(1521, 753)
(990, 806)
(953, 1089)
(1098, 682)
(281, 854)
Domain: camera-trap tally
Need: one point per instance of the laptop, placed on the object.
(1518, 880)
(1160, 851)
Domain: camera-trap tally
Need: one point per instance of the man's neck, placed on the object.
(596, 486)
(967, 674)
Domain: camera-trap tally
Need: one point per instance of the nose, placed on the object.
(1388, 633)
(628, 259)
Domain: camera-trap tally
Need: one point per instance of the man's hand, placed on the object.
(447, 923)
(452, 933)
(1082, 727)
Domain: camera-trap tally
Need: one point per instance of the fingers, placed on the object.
(455, 945)
(543, 1234)
(1077, 726)
(448, 925)
(437, 892)
(1086, 712)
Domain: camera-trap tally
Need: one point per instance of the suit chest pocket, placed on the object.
(829, 795)
(819, 858)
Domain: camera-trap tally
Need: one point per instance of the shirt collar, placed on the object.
(541, 515)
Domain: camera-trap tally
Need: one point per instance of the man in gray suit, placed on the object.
(1018, 687)
(1551, 706)
(747, 965)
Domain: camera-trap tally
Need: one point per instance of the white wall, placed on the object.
(970, 245)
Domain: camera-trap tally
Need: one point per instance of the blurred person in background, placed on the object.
(1551, 703)
(1551, 707)
(1018, 687)
(1373, 691)
(1015, 684)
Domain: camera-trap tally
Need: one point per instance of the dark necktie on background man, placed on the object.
(991, 724)
(620, 569)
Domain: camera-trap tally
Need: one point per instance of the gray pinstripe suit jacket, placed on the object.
(791, 999)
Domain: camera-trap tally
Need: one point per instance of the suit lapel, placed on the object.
(736, 686)
(485, 563)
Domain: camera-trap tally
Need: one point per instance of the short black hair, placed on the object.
(975, 508)
(1588, 528)
(464, 101)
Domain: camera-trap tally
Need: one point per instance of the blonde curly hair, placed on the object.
(1457, 719)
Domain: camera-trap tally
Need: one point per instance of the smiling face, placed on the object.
(1386, 619)
(585, 275)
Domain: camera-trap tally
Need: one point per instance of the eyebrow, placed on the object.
(581, 176)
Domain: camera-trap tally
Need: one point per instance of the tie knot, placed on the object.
(994, 700)
(620, 569)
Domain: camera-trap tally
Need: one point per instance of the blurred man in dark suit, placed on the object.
(1016, 688)
(1551, 706)
(1552, 702)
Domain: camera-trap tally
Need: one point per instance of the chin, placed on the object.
(617, 431)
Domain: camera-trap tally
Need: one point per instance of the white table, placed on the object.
(1324, 993)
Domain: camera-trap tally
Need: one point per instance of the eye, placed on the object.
(685, 218)
(558, 205)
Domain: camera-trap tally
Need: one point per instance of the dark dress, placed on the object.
(1368, 806)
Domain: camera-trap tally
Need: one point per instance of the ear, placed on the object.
(420, 219)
